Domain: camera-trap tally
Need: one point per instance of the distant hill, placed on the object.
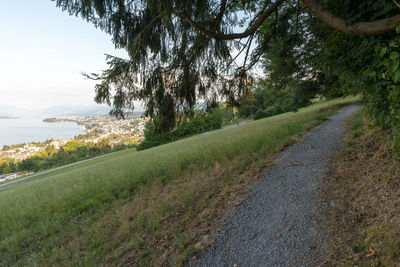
(7, 111)
(76, 111)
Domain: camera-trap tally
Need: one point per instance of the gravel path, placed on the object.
(278, 222)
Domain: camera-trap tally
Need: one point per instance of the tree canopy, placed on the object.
(181, 51)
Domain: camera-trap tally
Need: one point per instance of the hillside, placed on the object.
(364, 218)
(143, 208)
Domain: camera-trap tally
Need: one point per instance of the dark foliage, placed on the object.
(201, 122)
(180, 52)
(171, 64)
(268, 112)
(365, 65)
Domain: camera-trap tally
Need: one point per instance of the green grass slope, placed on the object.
(72, 166)
(111, 210)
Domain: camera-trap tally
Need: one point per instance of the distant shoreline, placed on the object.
(51, 120)
(24, 130)
(9, 117)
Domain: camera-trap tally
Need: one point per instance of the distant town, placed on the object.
(97, 128)
(102, 127)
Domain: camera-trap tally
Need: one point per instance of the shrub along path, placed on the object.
(278, 223)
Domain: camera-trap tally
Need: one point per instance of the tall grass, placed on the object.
(36, 219)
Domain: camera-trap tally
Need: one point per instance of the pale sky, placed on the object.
(43, 52)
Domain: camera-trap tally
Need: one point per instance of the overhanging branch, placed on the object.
(231, 36)
(359, 28)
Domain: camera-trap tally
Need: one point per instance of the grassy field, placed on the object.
(151, 207)
(54, 171)
(364, 219)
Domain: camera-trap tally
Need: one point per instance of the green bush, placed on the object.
(268, 112)
(201, 122)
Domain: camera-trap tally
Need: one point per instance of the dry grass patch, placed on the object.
(167, 224)
(364, 219)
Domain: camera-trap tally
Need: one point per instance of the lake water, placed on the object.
(33, 129)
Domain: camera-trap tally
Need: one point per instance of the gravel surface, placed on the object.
(278, 222)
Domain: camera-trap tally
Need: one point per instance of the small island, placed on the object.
(8, 117)
(58, 120)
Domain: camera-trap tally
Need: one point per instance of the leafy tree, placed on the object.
(292, 78)
(248, 105)
(262, 96)
(180, 51)
(365, 65)
(7, 165)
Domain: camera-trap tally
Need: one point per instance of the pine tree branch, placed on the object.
(251, 29)
(218, 20)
